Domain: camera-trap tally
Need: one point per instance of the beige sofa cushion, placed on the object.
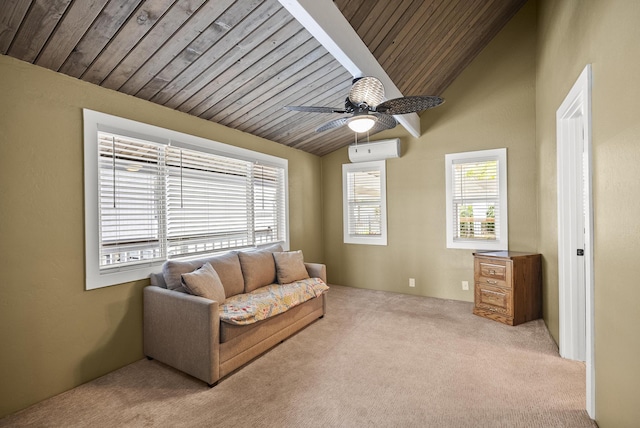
(204, 282)
(258, 269)
(290, 267)
(226, 265)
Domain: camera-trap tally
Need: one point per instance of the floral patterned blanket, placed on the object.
(268, 301)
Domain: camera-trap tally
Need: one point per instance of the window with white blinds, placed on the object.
(477, 200)
(160, 194)
(364, 203)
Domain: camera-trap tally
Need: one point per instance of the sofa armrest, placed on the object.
(317, 270)
(182, 331)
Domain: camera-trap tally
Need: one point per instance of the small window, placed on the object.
(476, 211)
(364, 203)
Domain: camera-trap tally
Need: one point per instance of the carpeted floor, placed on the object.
(376, 359)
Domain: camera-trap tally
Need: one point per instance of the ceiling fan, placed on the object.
(367, 110)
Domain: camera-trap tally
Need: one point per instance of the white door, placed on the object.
(575, 230)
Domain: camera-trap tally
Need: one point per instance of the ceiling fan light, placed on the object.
(361, 124)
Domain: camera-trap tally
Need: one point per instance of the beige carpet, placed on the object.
(376, 359)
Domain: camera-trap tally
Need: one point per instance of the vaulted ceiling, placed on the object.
(239, 62)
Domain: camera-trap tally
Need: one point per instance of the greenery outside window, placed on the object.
(476, 198)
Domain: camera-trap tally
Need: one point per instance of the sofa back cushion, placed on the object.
(226, 265)
(204, 282)
(258, 269)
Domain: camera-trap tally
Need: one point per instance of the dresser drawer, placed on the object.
(491, 269)
(494, 299)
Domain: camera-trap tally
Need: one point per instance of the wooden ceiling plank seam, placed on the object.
(243, 70)
(277, 114)
(202, 44)
(127, 38)
(247, 78)
(348, 7)
(446, 46)
(374, 20)
(74, 24)
(94, 41)
(393, 54)
(172, 21)
(315, 81)
(440, 77)
(199, 70)
(386, 50)
(38, 24)
(463, 57)
(374, 40)
(274, 119)
(383, 41)
(251, 88)
(237, 53)
(260, 102)
(432, 58)
(12, 13)
(420, 49)
(361, 14)
(259, 94)
(271, 114)
(177, 43)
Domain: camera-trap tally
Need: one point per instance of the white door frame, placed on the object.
(573, 122)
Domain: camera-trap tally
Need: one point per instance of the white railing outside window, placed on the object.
(153, 194)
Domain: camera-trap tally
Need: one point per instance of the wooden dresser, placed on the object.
(508, 286)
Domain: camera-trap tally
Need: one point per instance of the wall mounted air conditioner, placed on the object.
(375, 150)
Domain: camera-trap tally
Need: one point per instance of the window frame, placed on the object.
(93, 123)
(500, 244)
(359, 167)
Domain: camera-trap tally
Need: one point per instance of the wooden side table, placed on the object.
(508, 286)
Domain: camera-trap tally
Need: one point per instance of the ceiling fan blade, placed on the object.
(336, 123)
(383, 122)
(368, 90)
(406, 105)
(313, 109)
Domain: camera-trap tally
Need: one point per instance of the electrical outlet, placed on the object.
(465, 285)
(412, 282)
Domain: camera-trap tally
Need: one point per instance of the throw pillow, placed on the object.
(290, 267)
(258, 269)
(204, 282)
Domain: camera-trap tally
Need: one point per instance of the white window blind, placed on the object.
(131, 201)
(152, 194)
(364, 203)
(208, 201)
(476, 200)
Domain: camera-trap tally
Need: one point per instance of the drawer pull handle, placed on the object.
(492, 272)
(492, 282)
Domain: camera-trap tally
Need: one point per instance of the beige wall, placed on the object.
(491, 105)
(571, 34)
(55, 335)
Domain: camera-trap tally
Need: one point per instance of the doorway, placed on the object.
(575, 230)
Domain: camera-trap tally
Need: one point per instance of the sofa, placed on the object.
(209, 316)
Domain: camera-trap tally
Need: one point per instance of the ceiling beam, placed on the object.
(325, 22)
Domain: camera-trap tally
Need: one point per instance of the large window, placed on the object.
(364, 203)
(153, 194)
(477, 200)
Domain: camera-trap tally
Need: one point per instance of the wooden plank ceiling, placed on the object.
(239, 62)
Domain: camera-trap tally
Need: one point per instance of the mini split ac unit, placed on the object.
(375, 150)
